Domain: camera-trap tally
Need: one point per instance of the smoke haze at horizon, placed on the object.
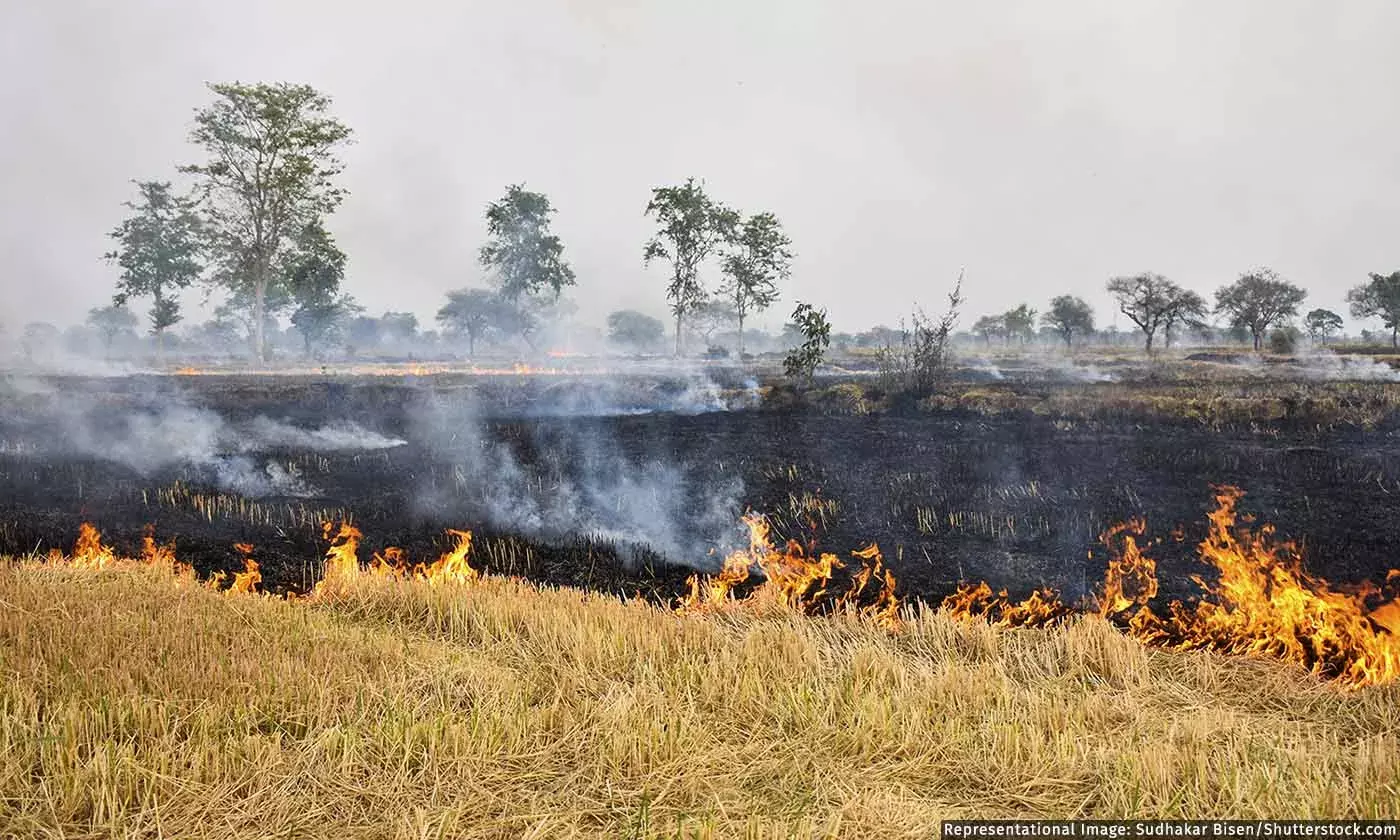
(1044, 148)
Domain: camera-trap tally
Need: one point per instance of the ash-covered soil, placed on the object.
(626, 485)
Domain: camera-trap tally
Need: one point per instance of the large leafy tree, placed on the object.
(314, 272)
(639, 331)
(270, 172)
(1069, 316)
(755, 259)
(1379, 298)
(1322, 323)
(110, 322)
(476, 313)
(988, 326)
(1020, 322)
(525, 257)
(691, 227)
(159, 253)
(1155, 303)
(1258, 300)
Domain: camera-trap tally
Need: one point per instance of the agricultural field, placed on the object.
(560, 601)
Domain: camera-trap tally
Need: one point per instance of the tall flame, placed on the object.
(89, 552)
(1262, 603)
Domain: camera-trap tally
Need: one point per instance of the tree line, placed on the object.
(1258, 301)
(253, 225)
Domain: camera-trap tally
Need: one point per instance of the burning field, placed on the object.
(548, 606)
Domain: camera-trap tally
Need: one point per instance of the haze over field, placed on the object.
(1046, 147)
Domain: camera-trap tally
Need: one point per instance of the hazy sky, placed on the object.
(1046, 146)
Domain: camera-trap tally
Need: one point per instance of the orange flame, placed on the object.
(89, 552)
(1263, 603)
(792, 578)
(452, 567)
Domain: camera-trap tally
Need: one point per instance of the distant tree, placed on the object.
(629, 328)
(270, 172)
(158, 251)
(989, 326)
(110, 322)
(39, 339)
(710, 316)
(1020, 322)
(922, 356)
(1154, 303)
(1379, 298)
(477, 313)
(1069, 316)
(756, 257)
(1188, 310)
(1321, 323)
(692, 226)
(314, 272)
(1257, 301)
(399, 327)
(812, 324)
(525, 258)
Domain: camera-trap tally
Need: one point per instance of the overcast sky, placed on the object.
(1046, 146)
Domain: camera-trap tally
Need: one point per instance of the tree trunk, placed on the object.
(1150, 336)
(1258, 342)
(471, 344)
(259, 305)
(678, 335)
(741, 335)
(1395, 335)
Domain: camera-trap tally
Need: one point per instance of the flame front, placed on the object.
(1262, 603)
(792, 578)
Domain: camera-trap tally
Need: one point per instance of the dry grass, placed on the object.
(134, 705)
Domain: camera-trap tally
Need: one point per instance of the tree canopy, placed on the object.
(270, 171)
(1069, 316)
(525, 258)
(1258, 300)
(159, 252)
(756, 258)
(1380, 298)
(1155, 303)
(1322, 323)
(691, 226)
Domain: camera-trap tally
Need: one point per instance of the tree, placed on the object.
(1154, 303)
(314, 272)
(1321, 323)
(921, 357)
(270, 172)
(111, 321)
(630, 328)
(525, 257)
(1069, 316)
(755, 259)
(812, 324)
(988, 326)
(691, 227)
(158, 251)
(399, 327)
(1379, 298)
(1258, 300)
(707, 318)
(476, 313)
(1020, 322)
(1187, 309)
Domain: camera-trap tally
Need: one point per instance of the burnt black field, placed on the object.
(570, 480)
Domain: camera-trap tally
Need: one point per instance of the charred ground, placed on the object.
(950, 489)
